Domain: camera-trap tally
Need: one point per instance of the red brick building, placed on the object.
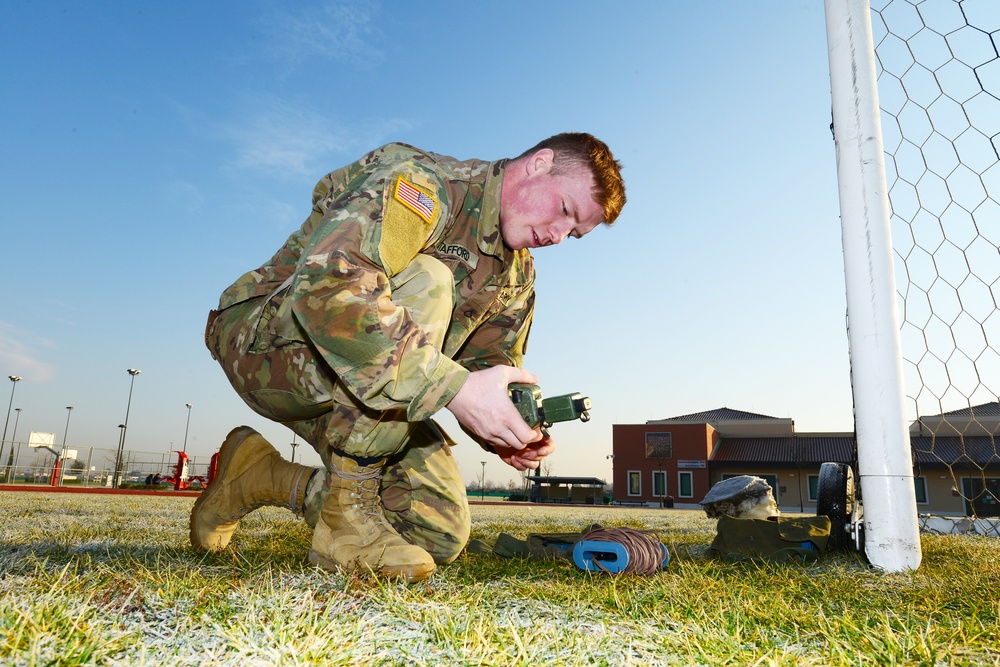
(672, 460)
(658, 463)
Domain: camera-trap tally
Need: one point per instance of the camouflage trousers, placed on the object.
(269, 360)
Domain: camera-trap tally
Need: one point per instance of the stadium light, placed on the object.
(186, 426)
(14, 379)
(124, 427)
(69, 411)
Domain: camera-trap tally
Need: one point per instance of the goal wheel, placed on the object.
(836, 498)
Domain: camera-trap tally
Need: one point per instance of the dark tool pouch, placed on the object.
(537, 546)
(787, 539)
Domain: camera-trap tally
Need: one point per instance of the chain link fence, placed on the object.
(94, 467)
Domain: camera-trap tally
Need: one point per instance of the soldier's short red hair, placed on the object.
(578, 150)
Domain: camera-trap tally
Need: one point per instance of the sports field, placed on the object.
(111, 580)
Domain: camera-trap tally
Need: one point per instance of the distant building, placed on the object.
(676, 461)
(586, 490)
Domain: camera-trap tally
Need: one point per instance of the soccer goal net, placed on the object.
(937, 131)
(939, 90)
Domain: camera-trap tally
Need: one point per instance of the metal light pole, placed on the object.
(14, 380)
(13, 435)
(124, 427)
(611, 457)
(13, 439)
(294, 445)
(69, 411)
(188, 406)
(118, 457)
(62, 456)
(482, 486)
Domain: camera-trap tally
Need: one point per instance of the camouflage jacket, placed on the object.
(369, 220)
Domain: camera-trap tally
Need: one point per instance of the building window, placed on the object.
(772, 481)
(982, 496)
(813, 488)
(659, 484)
(659, 446)
(920, 486)
(685, 484)
(634, 483)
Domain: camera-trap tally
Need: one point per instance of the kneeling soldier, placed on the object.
(410, 288)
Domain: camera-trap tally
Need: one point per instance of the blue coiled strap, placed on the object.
(621, 550)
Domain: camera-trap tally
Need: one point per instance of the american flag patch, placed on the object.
(415, 200)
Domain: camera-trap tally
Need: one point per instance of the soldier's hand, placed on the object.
(528, 458)
(483, 407)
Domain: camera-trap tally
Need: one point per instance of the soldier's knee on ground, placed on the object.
(448, 551)
(439, 527)
(424, 496)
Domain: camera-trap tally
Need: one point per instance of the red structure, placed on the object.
(180, 480)
(213, 467)
(56, 472)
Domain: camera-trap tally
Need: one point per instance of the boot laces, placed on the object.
(365, 492)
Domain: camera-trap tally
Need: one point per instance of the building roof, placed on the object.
(807, 450)
(968, 452)
(824, 448)
(718, 414)
(984, 410)
(798, 450)
(757, 450)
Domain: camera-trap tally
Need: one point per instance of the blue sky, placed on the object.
(153, 152)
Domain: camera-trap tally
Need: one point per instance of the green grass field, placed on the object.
(111, 580)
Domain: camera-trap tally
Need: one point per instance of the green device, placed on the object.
(527, 398)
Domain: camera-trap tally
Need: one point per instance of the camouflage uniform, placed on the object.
(370, 318)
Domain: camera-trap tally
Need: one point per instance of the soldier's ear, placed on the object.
(540, 162)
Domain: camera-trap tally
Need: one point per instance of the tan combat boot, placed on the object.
(250, 473)
(353, 534)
